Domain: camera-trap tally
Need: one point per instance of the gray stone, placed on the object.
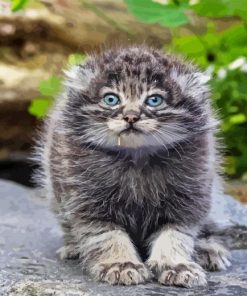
(30, 236)
(228, 210)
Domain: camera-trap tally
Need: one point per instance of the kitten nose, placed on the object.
(131, 117)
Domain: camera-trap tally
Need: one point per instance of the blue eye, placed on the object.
(154, 101)
(111, 100)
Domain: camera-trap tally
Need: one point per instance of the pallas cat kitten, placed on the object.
(130, 165)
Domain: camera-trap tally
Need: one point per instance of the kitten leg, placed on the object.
(212, 255)
(108, 255)
(171, 258)
(70, 248)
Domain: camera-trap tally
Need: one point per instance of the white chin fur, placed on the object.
(137, 140)
(132, 140)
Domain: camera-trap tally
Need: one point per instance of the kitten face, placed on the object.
(132, 122)
(135, 98)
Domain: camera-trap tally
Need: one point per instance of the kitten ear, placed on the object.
(193, 84)
(78, 77)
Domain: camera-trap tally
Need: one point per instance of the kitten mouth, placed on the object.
(130, 130)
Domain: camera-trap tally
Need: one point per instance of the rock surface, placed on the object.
(30, 236)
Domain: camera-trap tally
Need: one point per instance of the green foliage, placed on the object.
(230, 94)
(50, 88)
(18, 4)
(221, 8)
(173, 13)
(39, 107)
(170, 15)
(214, 48)
(75, 59)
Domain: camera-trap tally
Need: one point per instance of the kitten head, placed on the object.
(136, 97)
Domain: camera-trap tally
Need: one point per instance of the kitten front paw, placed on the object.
(214, 258)
(121, 273)
(182, 275)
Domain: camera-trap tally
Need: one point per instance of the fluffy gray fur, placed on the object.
(132, 198)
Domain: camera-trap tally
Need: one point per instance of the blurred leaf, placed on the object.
(18, 4)
(221, 8)
(190, 46)
(75, 59)
(50, 87)
(151, 12)
(212, 8)
(238, 118)
(243, 90)
(39, 107)
(238, 8)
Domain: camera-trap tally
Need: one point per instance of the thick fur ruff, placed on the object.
(148, 199)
